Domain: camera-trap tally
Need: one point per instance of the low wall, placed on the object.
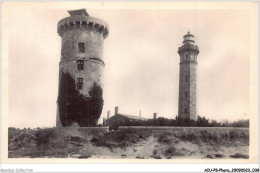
(172, 127)
(159, 129)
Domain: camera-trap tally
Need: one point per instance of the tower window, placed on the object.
(187, 56)
(79, 83)
(77, 23)
(81, 47)
(187, 78)
(80, 64)
(84, 23)
(186, 94)
(186, 110)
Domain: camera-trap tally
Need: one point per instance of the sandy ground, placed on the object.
(146, 150)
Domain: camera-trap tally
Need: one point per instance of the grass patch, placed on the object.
(155, 152)
(156, 156)
(48, 142)
(122, 138)
(51, 138)
(172, 151)
(217, 136)
(139, 157)
(39, 152)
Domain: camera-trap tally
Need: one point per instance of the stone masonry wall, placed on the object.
(93, 70)
(184, 87)
(93, 45)
(187, 87)
(192, 106)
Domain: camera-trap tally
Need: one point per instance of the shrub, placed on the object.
(122, 138)
(166, 138)
(75, 107)
(156, 156)
(86, 156)
(172, 151)
(139, 157)
(239, 155)
(155, 152)
(50, 137)
(12, 131)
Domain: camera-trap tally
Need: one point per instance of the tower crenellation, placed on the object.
(80, 19)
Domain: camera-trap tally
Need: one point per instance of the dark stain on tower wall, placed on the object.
(82, 59)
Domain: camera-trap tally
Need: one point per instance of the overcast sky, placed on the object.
(142, 63)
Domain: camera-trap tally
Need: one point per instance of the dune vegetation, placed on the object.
(129, 142)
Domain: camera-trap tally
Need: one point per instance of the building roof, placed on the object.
(131, 117)
(134, 117)
(78, 12)
(189, 34)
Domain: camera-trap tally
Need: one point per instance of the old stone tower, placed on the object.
(80, 100)
(187, 83)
